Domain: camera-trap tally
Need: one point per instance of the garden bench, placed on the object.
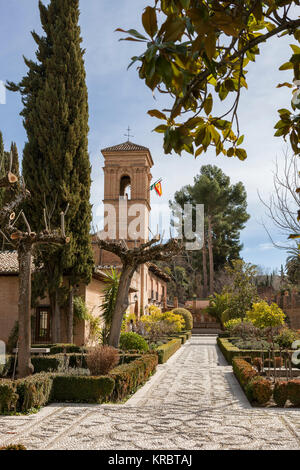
(38, 351)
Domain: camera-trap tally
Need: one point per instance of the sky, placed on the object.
(118, 98)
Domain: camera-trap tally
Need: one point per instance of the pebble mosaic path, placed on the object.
(192, 402)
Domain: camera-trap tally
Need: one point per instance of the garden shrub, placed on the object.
(230, 324)
(294, 391)
(165, 351)
(128, 377)
(82, 389)
(49, 363)
(66, 348)
(170, 318)
(8, 396)
(133, 342)
(285, 338)
(259, 390)
(77, 361)
(34, 391)
(263, 315)
(186, 315)
(243, 371)
(13, 447)
(280, 393)
(101, 359)
(228, 349)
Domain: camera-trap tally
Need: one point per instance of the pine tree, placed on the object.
(56, 164)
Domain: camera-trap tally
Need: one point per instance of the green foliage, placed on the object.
(65, 348)
(241, 289)
(128, 377)
(81, 311)
(285, 338)
(13, 447)
(170, 318)
(231, 324)
(8, 396)
(263, 315)
(186, 315)
(82, 389)
(199, 55)
(165, 351)
(280, 393)
(133, 342)
(57, 169)
(226, 206)
(34, 391)
(48, 363)
(110, 297)
(218, 305)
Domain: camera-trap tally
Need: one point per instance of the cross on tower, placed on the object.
(128, 134)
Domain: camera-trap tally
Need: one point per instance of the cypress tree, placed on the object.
(56, 165)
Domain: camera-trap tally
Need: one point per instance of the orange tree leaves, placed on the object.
(197, 51)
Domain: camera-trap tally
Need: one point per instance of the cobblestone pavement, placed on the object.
(192, 402)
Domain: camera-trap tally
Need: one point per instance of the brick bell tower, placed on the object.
(127, 180)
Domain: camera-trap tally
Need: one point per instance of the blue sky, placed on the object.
(118, 98)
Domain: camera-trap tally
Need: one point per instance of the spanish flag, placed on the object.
(158, 188)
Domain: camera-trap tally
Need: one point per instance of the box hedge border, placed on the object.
(165, 351)
(230, 351)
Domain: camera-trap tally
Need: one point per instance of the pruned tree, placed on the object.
(153, 250)
(283, 206)
(23, 240)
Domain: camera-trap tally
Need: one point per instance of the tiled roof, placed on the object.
(125, 147)
(9, 262)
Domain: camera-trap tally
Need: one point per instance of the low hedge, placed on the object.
(48, 363)
(280, 393)
(25, 394)
(128, 377)
(293, 389)
(230, 351)
(61, 348)
(243, 371)
(259, 390)
(165, 351)
(82, 389)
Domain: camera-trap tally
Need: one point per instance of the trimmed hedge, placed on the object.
(280, 393)
(128, 377)
(8, 396)
(230, 351)
(259, 390)
(82, 389)
(132, 341)
(294, 391)
(34, 391)
(48, 363)
(186, 315)
(243, 371)
(61, 348)
(165, 351)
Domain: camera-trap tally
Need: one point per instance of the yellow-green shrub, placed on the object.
(171, 318)
(263, 315)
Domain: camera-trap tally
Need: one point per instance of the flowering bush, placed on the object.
(170, 318)
(263, 315)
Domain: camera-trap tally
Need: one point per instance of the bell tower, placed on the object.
(127, 179)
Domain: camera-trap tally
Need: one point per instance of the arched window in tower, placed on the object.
(125, 187)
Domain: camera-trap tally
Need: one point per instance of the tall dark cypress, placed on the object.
(56, 165)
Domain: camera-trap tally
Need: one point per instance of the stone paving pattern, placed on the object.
(192, 402)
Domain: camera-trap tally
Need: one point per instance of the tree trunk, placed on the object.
(55, 311)
(25, 367)
(204, 263)
(211, 258)
(71, 316)
(121, 305)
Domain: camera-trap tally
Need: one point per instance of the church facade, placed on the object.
(127, 207)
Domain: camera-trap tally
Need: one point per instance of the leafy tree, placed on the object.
(198, 51)
(225, 215)
(263, 315)
(218, 306)
(241, 289)
(56, 163)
